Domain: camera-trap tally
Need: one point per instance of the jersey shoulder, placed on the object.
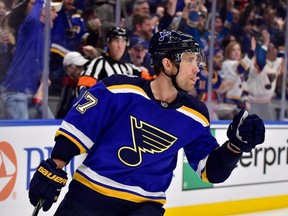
(197, 105)
(119, 79)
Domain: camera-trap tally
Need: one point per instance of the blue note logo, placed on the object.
(146, 139)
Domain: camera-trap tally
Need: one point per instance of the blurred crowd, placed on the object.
(87, 46)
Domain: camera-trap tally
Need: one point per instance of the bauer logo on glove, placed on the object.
(52, 176)
(46, 184)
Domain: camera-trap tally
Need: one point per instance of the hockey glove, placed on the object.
(245, 132)
(46, 184)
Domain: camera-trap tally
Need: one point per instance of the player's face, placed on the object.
(188, 69)
(117, 48)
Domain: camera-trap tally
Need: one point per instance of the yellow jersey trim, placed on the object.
(193, 113)
(114, 193)
(126, 88)
(82, 149)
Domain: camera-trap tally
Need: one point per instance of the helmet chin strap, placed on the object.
(173, 78)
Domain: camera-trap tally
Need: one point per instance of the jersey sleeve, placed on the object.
(220, 164)
(88, 118)
(198, 151)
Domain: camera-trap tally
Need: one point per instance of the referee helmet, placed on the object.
(117, 32)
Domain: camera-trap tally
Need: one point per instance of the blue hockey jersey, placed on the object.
(132, 139)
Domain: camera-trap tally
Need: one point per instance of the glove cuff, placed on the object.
(52, 163)
(234, 148)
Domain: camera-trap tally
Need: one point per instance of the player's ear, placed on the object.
(167, 64)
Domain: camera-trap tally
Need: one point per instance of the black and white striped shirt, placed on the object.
(102, 67)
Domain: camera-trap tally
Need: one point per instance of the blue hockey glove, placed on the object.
(246, 131)
(46, 184)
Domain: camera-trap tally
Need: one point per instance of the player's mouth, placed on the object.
(194, 79)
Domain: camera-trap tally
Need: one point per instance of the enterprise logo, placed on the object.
(8, 170)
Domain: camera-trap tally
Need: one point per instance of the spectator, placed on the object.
(24, 75)
(194, 20)
(234, 72)
(235, 25)
(105, 10)
(184, 14)
(93, 35)
(18, 15)
(227, 39)
(73, 63)
(165, 20)
(160, 19)
(221, 28)
(110, 62)
(263, 78)
(7, 41)
(137, 55)
(66, 35)
(8, 36)
(201, 86)
(153, 4)
(142, 27)
(69, 27)
(142, 30)
(139, 7)
(91, 52)
(247, 32)
(5, 52)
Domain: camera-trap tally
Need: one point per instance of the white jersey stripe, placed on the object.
(128, 89)
(117, 69)
(97, 71)
(110, 183)
(103, 66)
(88, 143)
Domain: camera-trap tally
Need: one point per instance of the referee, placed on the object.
(110, 63)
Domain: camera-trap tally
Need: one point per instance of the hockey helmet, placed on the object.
(174, 43)
(117, 32)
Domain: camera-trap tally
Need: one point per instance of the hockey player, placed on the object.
(132, 130)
